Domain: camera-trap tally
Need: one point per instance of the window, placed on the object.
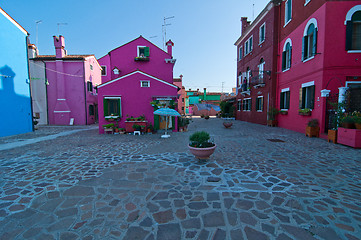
(262, 33)
(247, 104)
(112, 106)
(248, 46)
(116, 71)
(287, 55)
(182, 99)
(91, 67)
(261, 70)
(239, 105)
(104, 70)
(285, 99)
(89, 86)
(307, 95)
(288, 11)
(259, 104)
(309, 41)
(91, 110)
(143, 51)
(307, 1)
(353, 29)
(240, 53)
(240, 75)
(144, 83)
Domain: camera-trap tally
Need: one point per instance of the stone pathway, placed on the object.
(261, 183)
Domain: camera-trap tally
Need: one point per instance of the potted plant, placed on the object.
(35, 123)
(227, 123)
(357, 122)
(272, 113)
(200, 145)
(332, 135)
(122, 130)
(283, 112)
(108, 128)
(136, 127)
(348, 122)
(305, 112)
(206, 117)
(313, 128)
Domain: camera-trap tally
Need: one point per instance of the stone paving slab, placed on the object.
(90, 186)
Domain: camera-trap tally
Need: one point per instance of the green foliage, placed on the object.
(110, 125)
(348, 119)
(272, 113)
(200, 140)
(313, 123)
(305, 110)
(227, 109)
(136, 127)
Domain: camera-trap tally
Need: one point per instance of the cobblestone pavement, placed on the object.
(261, 183)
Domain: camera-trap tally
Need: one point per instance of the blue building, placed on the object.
(15, 101)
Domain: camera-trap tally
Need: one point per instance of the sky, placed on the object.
(203, 31)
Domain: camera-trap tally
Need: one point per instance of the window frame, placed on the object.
(106, 109)
(264, 33)
(350, 29)
(258, 109)
(248, 46)
(307, 95)
(146, 52)
(89, 86)
(144, 81)
(239, 105)
(104, 69)
(287, 56)
(288, 10)
(247, 105)
(307, 53)
(285, 99)
(261, 69)
(240, 53)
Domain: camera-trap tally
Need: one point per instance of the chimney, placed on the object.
(205, 94)
(245, 24)
(181, 77)
(32, 51)
(59, 43)
(170, 45)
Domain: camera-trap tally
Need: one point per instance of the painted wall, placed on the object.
(330, 67)
(266, 50)
(38, 86)
(14, 77)
(135, 100)
(123, 59)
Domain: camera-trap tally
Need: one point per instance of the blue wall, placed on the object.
(15, 102)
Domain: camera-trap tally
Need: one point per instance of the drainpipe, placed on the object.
(29, 75)
(85, 92)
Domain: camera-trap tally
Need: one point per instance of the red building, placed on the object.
(319, 49)
(182, 95)
(257, 65)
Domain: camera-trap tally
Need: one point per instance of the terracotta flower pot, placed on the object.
(227, 124)
(358, 125)
(202, 153)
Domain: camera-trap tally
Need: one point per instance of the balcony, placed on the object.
(258, 81)
(245, 89)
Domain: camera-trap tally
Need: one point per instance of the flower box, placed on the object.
(129, 125)
(312, 131)
(349, 137)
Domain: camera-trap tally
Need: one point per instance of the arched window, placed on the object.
(309, 41)
(287, 55)
(353, 29)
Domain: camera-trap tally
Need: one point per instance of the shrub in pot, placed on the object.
(313, 128)
(200, 145)
(348, 122)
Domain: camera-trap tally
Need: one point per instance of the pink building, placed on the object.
(319, 49)
(135, 75)
(71, 97)
(182, 95)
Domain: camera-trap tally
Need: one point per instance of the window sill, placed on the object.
(308, 59)
(145, 59)
(354, 51)
(307, 3)
(286, 70)
(260, 44)
(287, 23)
(259, 111)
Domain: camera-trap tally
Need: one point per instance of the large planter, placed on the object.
(349, 137)
(332, 136)
(202, 153)
(348, 125)
(272, 123)
(358, 125)
(227, 124)
(129, 125)
(312, 131)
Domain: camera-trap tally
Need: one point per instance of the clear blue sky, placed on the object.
(203, 31)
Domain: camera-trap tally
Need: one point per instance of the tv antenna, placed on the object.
(164, 28)
(36, 37)
(59, 26)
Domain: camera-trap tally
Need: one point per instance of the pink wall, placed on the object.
(330, 66)
(123, 58)
(135, 100)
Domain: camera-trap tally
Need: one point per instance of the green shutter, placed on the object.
(314, 46)
(282, 101)
(348, 35)
(284, 60)
(304, 48)
(105, 107)
(312, 96)
(156, 122)
(146, 51)
(289, 57)
(288, 100)
(120, 107)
